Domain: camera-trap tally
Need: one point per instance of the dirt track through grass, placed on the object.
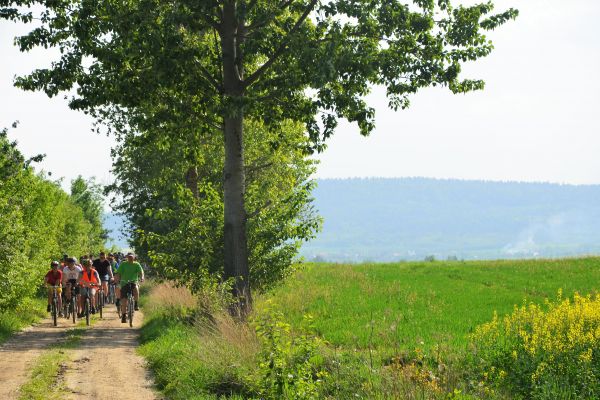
(104, 366)
(19, 353)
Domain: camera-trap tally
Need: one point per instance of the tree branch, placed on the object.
(282, 47)
(259, 24)
(253, 214)
(284, 4)
(207, 75)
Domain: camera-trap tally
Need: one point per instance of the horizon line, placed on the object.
(481, 180)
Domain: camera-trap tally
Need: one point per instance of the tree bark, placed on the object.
(236, 248)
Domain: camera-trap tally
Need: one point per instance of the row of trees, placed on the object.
(217, 77)
(40, 222)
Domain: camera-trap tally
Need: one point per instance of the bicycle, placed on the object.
(72, 306)
(111, 292)
(129, 286)
(100, 300)
(65, 303)
(87, 304)
(54, 305)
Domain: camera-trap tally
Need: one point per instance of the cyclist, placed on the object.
(114, 265)
(113, 262)
(129, 271)
(88, 281)
(54, 278)
(70, 275)
(102, 265)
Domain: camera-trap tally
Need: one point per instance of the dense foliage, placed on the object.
(201, 357)
(171, 192)
(38, 222)
(87, 195)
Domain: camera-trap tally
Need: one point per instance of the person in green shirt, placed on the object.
(129, 271)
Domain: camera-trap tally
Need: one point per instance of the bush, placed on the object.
(542, 352)
(290, 365)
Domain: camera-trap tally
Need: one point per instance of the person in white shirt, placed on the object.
(70, 275)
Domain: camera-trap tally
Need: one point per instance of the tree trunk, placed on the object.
(236, 247)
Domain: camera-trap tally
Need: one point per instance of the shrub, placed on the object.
(542, 352)
(290, 365)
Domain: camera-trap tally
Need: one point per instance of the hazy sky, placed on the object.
(537, 119)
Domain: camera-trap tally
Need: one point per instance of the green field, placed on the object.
(421, 304)
(392, 331)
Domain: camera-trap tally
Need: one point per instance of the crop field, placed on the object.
(422, 304)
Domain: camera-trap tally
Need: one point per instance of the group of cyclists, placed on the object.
(83, 279)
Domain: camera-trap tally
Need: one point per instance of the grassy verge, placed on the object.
(29, 312)
(43, 383)
(188, 361)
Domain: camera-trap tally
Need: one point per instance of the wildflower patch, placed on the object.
(544, 351)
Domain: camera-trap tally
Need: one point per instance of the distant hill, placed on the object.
(412, 218)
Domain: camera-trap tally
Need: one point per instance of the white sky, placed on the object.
(535, 121)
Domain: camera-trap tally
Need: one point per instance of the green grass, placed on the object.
(422, 304)
(389, 326)
(43, 383)
(29, 312)
(187, 364)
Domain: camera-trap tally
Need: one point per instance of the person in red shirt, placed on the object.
(54, 278)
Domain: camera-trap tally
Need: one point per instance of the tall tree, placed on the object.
(173, 197)
(310, 61)
(87, 194)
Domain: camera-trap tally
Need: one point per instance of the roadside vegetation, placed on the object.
(25, 314)
(39, 222)
(441, 330)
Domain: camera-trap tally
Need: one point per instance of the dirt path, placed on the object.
(19, 352)
(105, 366)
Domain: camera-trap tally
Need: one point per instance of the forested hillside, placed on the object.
(396, 219)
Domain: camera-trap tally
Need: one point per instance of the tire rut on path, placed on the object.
(19, 353)
(105, 365)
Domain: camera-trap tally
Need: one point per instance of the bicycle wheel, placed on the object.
(72, 308)
(54, 310)
(100, 303)
(65, 309)
(130, 305)
(87, 311)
